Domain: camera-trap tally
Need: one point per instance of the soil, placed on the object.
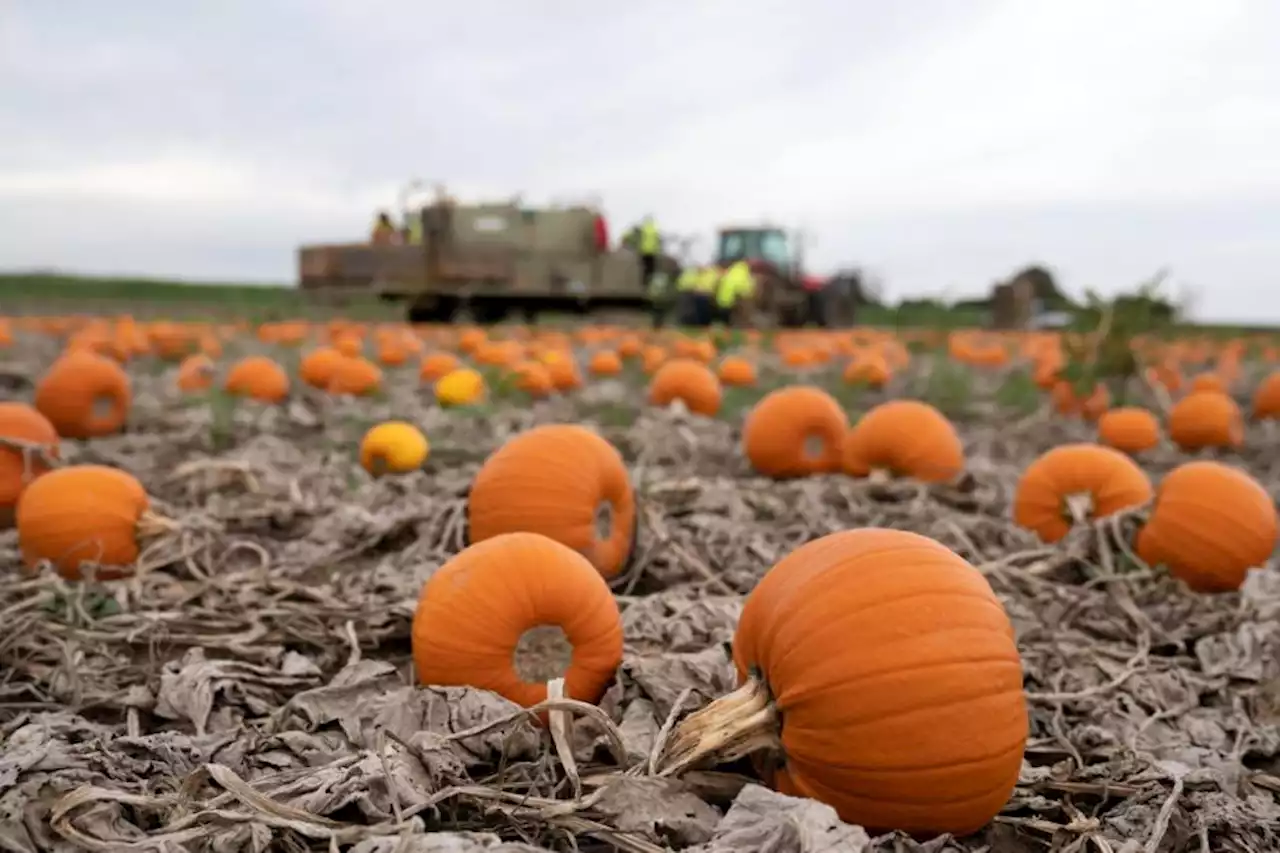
(251, 687)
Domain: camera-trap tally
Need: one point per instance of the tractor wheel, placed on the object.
(835, 307)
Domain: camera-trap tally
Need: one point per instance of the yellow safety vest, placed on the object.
(708, 277)
(414, 226)
(650, 240)
(737, 283)
(688, 279)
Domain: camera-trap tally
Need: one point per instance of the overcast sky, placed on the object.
(943, 143)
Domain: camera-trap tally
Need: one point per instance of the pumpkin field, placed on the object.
(312, 585)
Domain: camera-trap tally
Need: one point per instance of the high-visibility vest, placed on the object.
(708, 277)
(688, 279)
(414, 226)
(650, 239)
(737, 283)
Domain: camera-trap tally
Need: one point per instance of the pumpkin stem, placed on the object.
(1079, 507)
(151, 525)
(736, 724)
(879, 476)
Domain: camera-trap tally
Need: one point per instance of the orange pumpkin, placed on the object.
(475, 610)
(437, 365)
(356, 376)
(565, 482)
(605, 363)
(317, 367)
(258, 378)
(1129, 430)
(195, 374)
(688, 381)
(1266, 397)
(870, 369)
(533, 379)
(736, 371)
(904, 438)
(1206, 419)
(795, 432)
(879, 675)
(84, 395)
(1210, 524)
(28, 442)
(85, 514)
(1076, 480)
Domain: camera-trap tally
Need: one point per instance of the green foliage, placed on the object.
(949, 387)
(1099, 348)
(1019, 392)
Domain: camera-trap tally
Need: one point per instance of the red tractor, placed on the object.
(785, 294)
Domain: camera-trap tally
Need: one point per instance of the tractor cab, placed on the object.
(765, 248)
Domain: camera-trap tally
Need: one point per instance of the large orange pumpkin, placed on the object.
(34, 445)
(879, 675)
(563, 481)
(795, 432)
(317, 367)
(474, 612)
(1210, 524)
(1088, 480)
(258, 378)
(688, 381)
(84, 395)
(1129, 430)
(904, 438)
(85, 513)
(1206, 419)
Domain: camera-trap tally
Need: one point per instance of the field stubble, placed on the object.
(252, 687)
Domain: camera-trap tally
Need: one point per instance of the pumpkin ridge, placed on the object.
(785, 706)
(882, 770)
(974, 795)
(901, 713)
(799, 639)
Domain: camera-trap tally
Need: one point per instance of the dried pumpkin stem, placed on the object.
(736, 724)
(1080, 507)
(151, 525)
(32, 452)
(879, 476)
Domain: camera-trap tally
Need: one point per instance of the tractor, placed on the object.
(785, 294)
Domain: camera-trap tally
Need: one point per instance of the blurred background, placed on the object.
(939, 146)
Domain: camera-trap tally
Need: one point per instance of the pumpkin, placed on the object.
(1129, 429)
(1266, 397)
(533, 378)
(356, 377)
(84, 395)
(564, 482)
(870, 369)
(257, 378)
(688, 381)
(1208, 382)
(563, 371)
(735, 371)
(1204, 419)
(1209, 525)
(461, 387)
(479, 612)
(879, 674)
(394, 447)
(1076, 481)
(795, 432)
(317, 367)
(85, 513)
(605, 363)
(904, 438)
(436, 365)
(195, 374)
(28, 442)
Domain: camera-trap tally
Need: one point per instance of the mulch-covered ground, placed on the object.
(251, 688)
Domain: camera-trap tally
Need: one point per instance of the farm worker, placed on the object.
(660, 297)
(736, 286)
(649, 244)
(384, 233)
(413, 227)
